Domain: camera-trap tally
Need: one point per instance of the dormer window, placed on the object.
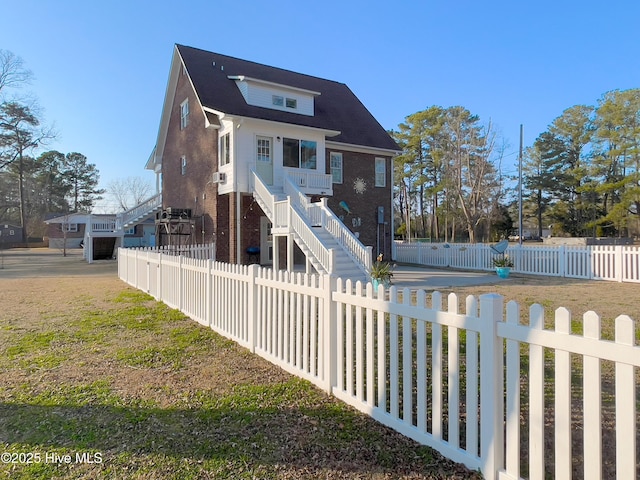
(286, 98)
(292, 103)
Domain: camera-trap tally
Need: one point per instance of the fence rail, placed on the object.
(500, 392)
(594, 262)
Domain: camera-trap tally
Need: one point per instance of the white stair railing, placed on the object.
(320, 215)
(286, 219)
(142, 209)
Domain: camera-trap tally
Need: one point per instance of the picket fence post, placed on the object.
(491, 386)
(159, 277)
(329, 333)
(618, 259)
(180, 283)
(148, 273)
(208, 294)
(252, 306)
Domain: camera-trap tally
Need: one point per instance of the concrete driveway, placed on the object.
(45, 262)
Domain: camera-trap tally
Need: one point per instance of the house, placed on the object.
(66, 231)
(99, 235)
(10, 234)
(272, 166)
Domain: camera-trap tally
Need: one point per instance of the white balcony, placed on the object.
(310, 182)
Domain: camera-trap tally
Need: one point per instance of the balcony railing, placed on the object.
(145, 208)
(310, 181)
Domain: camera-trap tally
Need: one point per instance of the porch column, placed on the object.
(290, 244)
(276, 252)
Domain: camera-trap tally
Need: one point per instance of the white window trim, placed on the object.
(340, 169)
(183, 165)
(225, 150)
(300, 141)
(184, 114)
(380, 161)
(69, 227)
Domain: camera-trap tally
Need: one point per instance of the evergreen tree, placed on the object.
(82, 180)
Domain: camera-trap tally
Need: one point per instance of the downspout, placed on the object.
(238, 194)
(392, 243)
(238, 236)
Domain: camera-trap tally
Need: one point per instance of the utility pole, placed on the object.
(520, 226)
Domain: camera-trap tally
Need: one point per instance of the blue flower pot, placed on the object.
(377, 282)
(503, 272)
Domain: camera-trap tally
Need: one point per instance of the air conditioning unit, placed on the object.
(219, 177)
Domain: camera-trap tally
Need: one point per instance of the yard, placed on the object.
(94, 371)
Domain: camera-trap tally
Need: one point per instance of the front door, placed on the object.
(264, 159)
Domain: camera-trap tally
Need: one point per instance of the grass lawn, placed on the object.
(97, 380)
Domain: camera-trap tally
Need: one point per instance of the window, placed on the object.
(264, 150)
(381, 172)
(225, 149)
(130, 231)
(292, 103)
(69, 227)
(335, 163)
(299, 153)
(183, 168)
(277, 100)
(184, 114)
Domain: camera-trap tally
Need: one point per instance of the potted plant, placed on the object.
(503, 265)
(381, 273)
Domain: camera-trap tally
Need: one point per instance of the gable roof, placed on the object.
(336, 107)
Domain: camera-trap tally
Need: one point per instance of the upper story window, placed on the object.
(280, 101)
(267, 94)
(381, 172)
(184, 114)
(130, 231)
(183, 166)
(291, 103)
(299, 153)
(225, 149)
(335, 163)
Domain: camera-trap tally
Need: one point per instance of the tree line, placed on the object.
(33, 185)
(581, 177)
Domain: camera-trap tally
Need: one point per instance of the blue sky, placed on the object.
(101, 67)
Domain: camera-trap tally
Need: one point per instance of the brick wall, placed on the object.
(364, 206)
(199, 145)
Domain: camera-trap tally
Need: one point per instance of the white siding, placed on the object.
(245, 153)
(262, 96)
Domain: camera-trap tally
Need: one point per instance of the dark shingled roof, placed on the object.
(336, 108)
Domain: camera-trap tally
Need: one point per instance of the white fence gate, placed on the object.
(497, 391)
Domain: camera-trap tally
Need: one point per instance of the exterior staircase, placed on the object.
(140, 212)
(327, 244)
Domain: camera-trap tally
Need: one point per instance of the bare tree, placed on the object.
(130, 191)
(469, 152)
(13, 73)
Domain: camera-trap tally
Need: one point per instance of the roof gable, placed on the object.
(335, 107)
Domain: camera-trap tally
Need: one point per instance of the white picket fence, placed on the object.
(473, 384)
(595, 262)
